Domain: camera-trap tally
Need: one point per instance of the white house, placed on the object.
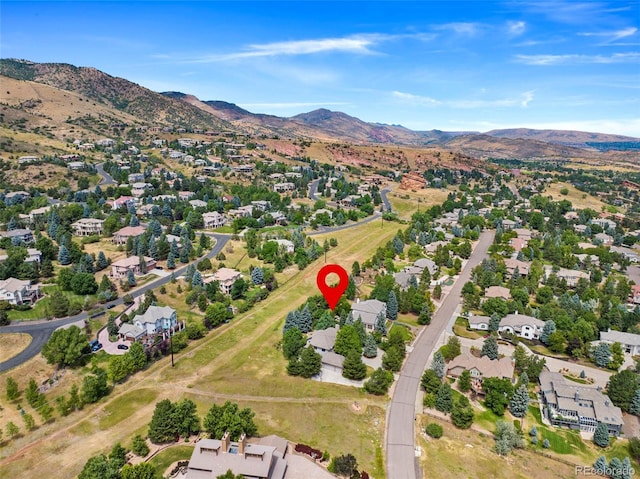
(368, 312)
(156, 320)
(213, 219)
(629, 342)
(522, 325)
(16, 291)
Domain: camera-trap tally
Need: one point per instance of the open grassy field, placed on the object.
(466, 454)
(12, 344)
(407, 202)
(578, 198)
(240, 362)
(164, 459)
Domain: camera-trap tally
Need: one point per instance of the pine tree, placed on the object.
(462, 413)
(353, 367)
(349, 319)
(548, 329)
(350, 292)
(370, 349)
(188, 274)
(392, 306)
(398, 244)
(381, 324)
(134, 220)
(306, 320)
(602, 355)
(634, 405)
(437, 364)
(64, 256)
(153, 249)
(12, 224)
(601, 435)
(425, 315)
(490, 348)
(131, 279)
(184, 255)
(196, 279)
(290, 322)
(12, 389)
(101, 262)
(494, 323)
(464, 381)
(520, 402)
(257, 275)
(444, 401)
(171, 261)
(627, 469)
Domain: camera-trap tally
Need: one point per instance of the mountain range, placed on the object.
(143, 106)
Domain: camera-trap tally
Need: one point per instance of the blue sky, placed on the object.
(450, 65)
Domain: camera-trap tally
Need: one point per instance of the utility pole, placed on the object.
(173, 365)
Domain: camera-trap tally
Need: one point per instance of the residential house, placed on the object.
(24, 160)
(285, 244)
(121, 236)
(522, 266)
(14, 197)
(213, 220)
(212, 458)
(22, 235)
(125, 201)
(156, 320)
(480, 368)
(524, 233)
(185, 195)
(139, 189)
(76, 165)
(282, 187)
(423, 263)
(87, 227)
(225, 278)
(332, 361)
(37, 213)
(522, 325)
(571, 276)
(368, 312)
(508, 225)
(604, 223)
(580, 228)
(198, 203)
(261, 205)
(323, 340)
(479, 322)
(518, 243)
(628, 253)
(630, 342)
(121, 268)
(497, 292)
(603, 238)
(577, 407)
(16, 291)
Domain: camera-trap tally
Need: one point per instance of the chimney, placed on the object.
(242, 443)
(225, 441)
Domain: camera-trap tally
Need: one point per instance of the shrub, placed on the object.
(434, 430)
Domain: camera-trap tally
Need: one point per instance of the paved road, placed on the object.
(107, 179)
(42, 330)
(400, 436)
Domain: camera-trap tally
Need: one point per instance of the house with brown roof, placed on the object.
(121, 268)
(225, 278)
(212, 458)
(480, 368)
(497, 292)
(121, 236)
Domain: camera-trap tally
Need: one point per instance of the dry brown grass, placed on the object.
(13, 343)
(578, 198)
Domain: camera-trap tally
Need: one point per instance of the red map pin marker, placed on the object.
(332, 295)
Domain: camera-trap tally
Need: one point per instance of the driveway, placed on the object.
(400, 434)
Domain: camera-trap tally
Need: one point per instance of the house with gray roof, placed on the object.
(323, 340)
(479, 322)
(156, 320)
(368, 312)
(480, 368)
(630, 342)
(577, 407)
(522, 325)
(212, 458)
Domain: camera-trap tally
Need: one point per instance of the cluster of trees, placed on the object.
(121, 366)
(172, 420)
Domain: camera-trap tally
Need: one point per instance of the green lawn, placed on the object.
(460, 328)
(164, 459)
(39, 311)
(125, 405)
(406, 333)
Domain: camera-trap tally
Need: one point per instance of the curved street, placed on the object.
(400, 433)
(107, 179)
(41, 331)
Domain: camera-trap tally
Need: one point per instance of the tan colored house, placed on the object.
(121, 236)
(212, 458)
(497, 292)
(480, 368)
(213, 219)
(87, 227)
(120, 269)
(225, 277)
(16, 291)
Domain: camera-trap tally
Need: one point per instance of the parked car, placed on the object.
(123, 346)
(112, 305)
(96, 347)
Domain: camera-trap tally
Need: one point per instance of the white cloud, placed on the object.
(546, 60)
(523, 102)
(612, 36)
(516, 28)
(461, 28)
